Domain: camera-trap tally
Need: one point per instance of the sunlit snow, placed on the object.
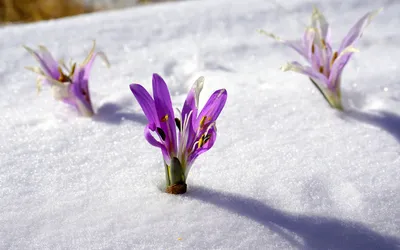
(286, 171)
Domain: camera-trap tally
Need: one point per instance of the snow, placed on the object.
(286, 172)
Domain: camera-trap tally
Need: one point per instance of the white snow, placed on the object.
(286, 172)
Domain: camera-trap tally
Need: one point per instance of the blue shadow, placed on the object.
(316, 232)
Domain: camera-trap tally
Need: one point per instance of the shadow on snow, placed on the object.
(111, 113)
(387, 121)
(316, 232)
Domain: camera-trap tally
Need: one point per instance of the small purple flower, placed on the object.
(326, 65)
(69, 84)
(184, 137)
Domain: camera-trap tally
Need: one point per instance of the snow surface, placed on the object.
(286, 172)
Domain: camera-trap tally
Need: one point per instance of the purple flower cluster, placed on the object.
(192, 131)
(325, 65)
(184, 137)
(69, 84)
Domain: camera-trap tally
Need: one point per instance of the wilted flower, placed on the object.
(183, 138)
(69, 84)
(326, 65)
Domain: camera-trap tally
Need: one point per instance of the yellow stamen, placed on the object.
(334, 57)
(201, 141)
(72, 70)
(313, 49)
(61, 77)
(165, 118)
(323, 43)
(202, 121)
(321, 69)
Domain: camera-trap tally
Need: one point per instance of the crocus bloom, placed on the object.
(69, 84)
(181, 138)
(326, 65)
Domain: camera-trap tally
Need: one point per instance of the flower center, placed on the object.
(203, 139)
(66, 78)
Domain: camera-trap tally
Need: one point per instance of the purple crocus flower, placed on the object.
(181, 138)
(326, 65)
(69, 84)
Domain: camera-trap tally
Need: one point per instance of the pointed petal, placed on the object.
(146, 102)
(192, 99)
(212, 108)
(49, 60)
(297, 67)
(81, 92)
(357, 30)
(319, 22)
(165, 112)
(46, 61)
(91, 52)
(88, 62)
(297, 45)
(149, 137)
(162, 97)
(338, 65)
(204, 148)
(308, 41)
(189, 115)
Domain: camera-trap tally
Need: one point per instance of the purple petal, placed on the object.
(165, 113)
(149, 137)
(189, 105)
(205, 147)
(212, 109)
(146, 102)
(46, 61)
(192, 100)
(319, 22)
(80, 90)
(297, 45)
(338, 65)
(189, 115)
(308, 41)
(357, 30)
(297, 67)
(90, 60)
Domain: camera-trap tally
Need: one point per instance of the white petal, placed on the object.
(198, 87)
(60, 91)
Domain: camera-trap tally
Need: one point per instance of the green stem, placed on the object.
(333, 98)
(175, 177)
(174, 173)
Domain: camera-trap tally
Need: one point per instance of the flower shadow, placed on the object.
(315, 232)
(217, 67)
(390, 122)
(111, 113)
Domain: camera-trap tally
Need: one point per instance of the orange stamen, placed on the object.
(165, 118)
(334, 57)
(323, 43)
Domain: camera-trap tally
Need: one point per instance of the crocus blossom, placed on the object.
(181, 138)
(68, 84)
(326, 65)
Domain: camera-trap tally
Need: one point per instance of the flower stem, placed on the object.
(175, 177)
(333, 98)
